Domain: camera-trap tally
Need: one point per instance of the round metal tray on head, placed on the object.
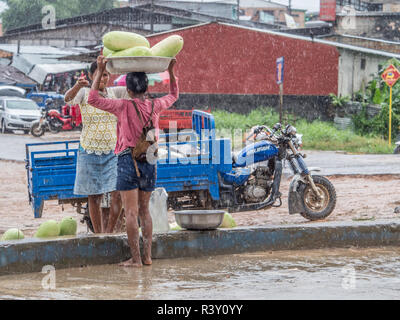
(199, 219)
(123, 65)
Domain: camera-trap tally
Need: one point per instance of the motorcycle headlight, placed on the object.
(291, 131)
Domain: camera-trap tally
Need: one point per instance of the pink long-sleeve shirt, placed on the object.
(129, 126)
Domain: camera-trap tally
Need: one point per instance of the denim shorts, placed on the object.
(127, 178)
(95, 174)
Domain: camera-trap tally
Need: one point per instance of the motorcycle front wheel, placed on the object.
(318, 208)
(37, 130)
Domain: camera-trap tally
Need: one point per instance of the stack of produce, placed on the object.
(129, 44)
(51, 228)
(48, 229)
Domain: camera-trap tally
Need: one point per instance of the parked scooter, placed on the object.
(54, 121)
(255, 180)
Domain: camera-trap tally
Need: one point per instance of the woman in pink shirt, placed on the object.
(135, 190)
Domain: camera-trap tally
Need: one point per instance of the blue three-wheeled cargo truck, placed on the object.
(199, 171)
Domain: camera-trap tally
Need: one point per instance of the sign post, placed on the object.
(390, 76)
(280, 66)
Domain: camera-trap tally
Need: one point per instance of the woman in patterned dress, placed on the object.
(96, 170)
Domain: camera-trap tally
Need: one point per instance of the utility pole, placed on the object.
(152, 16)
(238, 10)
(290, 7)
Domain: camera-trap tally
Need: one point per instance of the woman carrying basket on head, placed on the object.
(136, 177)
(97, 164)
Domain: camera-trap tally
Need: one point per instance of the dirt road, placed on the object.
(359, 198)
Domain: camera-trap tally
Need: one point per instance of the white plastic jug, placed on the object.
(159, 210)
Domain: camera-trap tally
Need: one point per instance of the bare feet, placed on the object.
(131, 264)
(147, 261)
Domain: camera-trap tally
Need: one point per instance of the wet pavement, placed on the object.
(13, 145)
(311, 274)
(332, 162)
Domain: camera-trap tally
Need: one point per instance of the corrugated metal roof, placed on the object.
(38, 65)
(369, 39)
(243, 3)
(40, 71)
(293, 36)
(11, 76)
(45, 50)
(330, 43)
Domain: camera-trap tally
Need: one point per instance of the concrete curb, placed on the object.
(30, 255)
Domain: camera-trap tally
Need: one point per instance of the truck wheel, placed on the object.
(315, 208)
(397, 150)
(36, 130)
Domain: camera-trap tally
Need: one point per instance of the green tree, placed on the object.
(21, 13)
(377, 92)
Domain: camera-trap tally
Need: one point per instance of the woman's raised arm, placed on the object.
(167, 101)
(72, 93)
(113, 106)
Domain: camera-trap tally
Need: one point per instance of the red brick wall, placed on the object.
(221, 59)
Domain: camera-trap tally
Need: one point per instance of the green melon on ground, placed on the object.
(174, 227)
(68, 227)
(48, 229)
(228, 221)
(12, 234)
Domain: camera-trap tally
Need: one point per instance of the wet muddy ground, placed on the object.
(358, 198)
(314, 274)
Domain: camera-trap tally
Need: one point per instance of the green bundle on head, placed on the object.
(129, 44)
(121, 40)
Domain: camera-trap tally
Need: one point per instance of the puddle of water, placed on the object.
(314, 274)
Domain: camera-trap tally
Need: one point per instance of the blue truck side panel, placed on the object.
(51, 173)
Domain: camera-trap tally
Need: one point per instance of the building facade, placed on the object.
(230, 67)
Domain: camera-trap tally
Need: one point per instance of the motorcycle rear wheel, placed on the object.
(318, 208)
(54, 127)
(37, 130)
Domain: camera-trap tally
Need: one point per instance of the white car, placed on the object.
(18, 114)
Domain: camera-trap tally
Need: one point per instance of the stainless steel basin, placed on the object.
(199, 219)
